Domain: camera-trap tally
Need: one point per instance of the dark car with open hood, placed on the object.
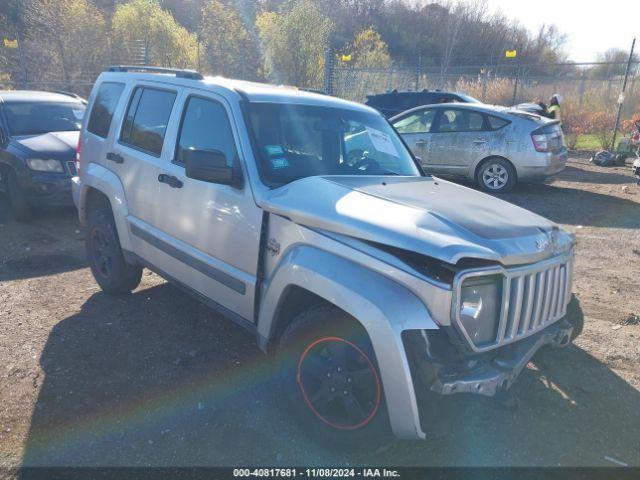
(38, 144)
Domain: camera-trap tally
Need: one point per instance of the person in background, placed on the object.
(553, 111)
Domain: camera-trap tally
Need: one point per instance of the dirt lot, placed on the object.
(157, 379)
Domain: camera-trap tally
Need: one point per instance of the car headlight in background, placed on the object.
(480, 306)
(45, 165)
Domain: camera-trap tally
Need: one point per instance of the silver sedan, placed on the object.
(496, 147)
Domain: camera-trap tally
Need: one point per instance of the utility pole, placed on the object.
(621, 97)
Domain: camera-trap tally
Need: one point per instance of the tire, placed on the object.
(330, 379)
(20, 208)
(108, 265)
(496, 175)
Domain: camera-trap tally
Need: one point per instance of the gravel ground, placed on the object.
(156, 378)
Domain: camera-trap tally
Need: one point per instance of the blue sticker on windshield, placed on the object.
(274, 150)
(279, 163)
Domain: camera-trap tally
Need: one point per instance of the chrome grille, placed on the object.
(533, 297)
(71, 166)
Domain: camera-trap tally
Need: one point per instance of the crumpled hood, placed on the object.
(426, 215)
(52, 144)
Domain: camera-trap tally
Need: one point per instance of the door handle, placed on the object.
(479, 140)
(115, 157)
(170, 180)
(421, 142)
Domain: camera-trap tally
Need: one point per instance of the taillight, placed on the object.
(540, 142)
(78, 155)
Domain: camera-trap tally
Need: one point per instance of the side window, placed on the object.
(146, 120)
(205, 126)
(496, 123)
(419, 122)
(103, 107)
(454, 120)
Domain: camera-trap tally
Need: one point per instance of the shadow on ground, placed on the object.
(46, 245)
(603, 175)
(155, 378)
(572, 206)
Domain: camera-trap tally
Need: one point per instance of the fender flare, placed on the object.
(108, 183)
(356, 290)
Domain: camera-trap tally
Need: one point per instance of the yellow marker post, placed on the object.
(511, 53)
(345, 58)
(10, 43)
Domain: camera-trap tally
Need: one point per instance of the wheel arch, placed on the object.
(307, 275)
(101, 186)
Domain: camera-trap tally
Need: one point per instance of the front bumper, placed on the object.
(47, 189)
(437, 365)
(501, 372)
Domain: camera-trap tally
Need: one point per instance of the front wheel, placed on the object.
(108, 265)
(496, 175)
(331, 380)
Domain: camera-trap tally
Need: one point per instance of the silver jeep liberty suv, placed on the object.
(306, 219)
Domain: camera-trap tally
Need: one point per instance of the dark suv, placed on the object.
(395, 102)
(38, 140)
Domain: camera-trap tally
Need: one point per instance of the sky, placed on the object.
(591, 26)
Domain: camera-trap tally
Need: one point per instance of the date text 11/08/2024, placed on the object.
(316, 472)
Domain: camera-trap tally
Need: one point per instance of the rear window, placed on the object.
(103, 108)
(496, 123)
(147, 117)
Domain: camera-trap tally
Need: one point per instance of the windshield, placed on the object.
(296, 141)
(26, 118)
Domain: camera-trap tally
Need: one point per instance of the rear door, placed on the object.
(104, 104)
(415, 129)
(137, 149)
(459, 137)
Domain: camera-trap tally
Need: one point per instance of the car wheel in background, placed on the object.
(108, 265)
(330, 379)
(496, 175)
(20, 207)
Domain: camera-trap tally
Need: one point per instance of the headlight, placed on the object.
(480, 306)
(45, 165)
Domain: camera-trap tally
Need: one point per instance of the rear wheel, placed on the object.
(496, 175)
(108, 265)
(20, 207)
(331, 381)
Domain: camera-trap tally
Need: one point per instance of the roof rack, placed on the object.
(179, 73)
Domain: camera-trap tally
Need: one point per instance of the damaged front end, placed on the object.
(440, 362)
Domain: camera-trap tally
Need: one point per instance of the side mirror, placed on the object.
(210, 166)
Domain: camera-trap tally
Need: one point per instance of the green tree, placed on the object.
(143, 22)
(228, 48)
(293, 43)
(368, 50)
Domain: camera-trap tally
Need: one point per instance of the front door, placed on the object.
(211, 230)
(415, 130)
(136, 153)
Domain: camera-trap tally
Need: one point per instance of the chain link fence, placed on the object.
(594, 86)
